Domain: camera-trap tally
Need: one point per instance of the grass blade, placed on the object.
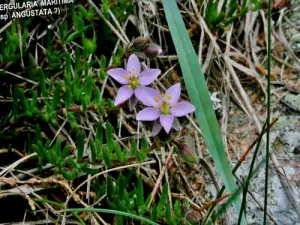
(199, 95)
(110, 211)
(268, 108)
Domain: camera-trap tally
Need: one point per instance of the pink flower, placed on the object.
(134, 81)
(164, 107)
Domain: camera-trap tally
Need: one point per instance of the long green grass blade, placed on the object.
(269, 49)
(110, 211)
(199, 95)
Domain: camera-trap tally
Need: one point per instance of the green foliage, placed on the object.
(140, 191)
(62, 77)
(230, 12)
(199, 94)
(105, 151)
(80, 146)
(10, 45)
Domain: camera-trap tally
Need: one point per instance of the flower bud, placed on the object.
(193, 217)
(141, 56)
(140, 42)
(187, 154)
(152, 50)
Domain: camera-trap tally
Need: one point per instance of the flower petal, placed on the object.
(156, 128)
(153, 97)
(176, 125)
(148, 114)
(167, 122)
(118, 74)
(132, 102)
(123, 94)
(173, 93)
(133, 65)
(182, 109)
(148, 76)
(141, 95)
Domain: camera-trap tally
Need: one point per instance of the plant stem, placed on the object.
(268, 111)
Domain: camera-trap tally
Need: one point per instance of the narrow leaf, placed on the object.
(113, 212)
(80, 145)
(110, 187)
(93, 151)
(109, 136)
(140, 191)
(56, 97)
(163, 198)
(199, 94)
(154, 212)
(106, 157)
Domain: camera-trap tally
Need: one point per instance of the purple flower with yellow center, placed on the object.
(134, 81)
(164, 107)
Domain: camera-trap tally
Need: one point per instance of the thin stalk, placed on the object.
(245, 190)
(110, 211)
(256, 141)
(268, 111)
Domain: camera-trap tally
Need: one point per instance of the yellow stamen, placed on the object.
(156, 99)
(126, 77)
(165, 108)
(175, 105)
(134, 82)
(169, 97)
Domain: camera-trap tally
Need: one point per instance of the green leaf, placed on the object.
(232, 6)
(113, 212)
(16, 102)
(120, 220)
(68, 98)
(211, 14)
(103, 62)
(101, 110)
(121, 205)
(169, 214)
(82, 10)
(141, 156)
(110, 187)
(65, 153)
(72, 120)
(77, 33)
(106, 157)
(117, 149)
(69, 175)
(99, 137)
(109, 136)
(43, 152)
(199, 94)
(77, 59)
(68, 65)
(163, 198)
(88, 88)
(33, 102)
(154, 212)
(56, 97)
(88, 170)
(140, 191)
(24, 101)
(97, 99)
(121, 186)
(80, 145)
(133, 149)
(36, 149)
(93, 151)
